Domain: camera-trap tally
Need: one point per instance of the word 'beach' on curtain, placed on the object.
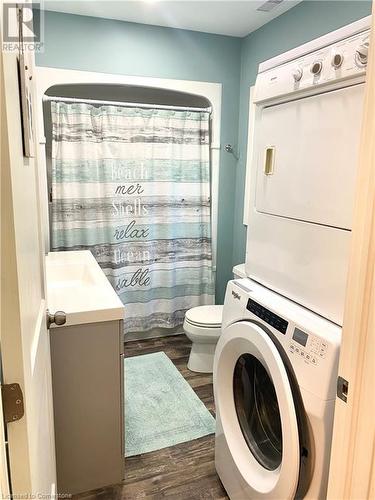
(133, 186)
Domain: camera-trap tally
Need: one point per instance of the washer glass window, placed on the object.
(258, 411)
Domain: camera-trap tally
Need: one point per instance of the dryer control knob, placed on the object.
(337, 60)
(316, 68)
(297, 74)
(361, 53)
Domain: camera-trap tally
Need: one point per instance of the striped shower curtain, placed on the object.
(133, 186)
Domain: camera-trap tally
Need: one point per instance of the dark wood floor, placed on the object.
(182, 472)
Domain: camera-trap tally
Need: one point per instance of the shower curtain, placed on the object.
(133, 186)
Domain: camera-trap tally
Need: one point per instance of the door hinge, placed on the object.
(342, 389)
(13, 406)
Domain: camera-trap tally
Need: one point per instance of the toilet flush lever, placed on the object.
(59, 318)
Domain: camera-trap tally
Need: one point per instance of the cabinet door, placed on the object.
(88, 404)
(307, 154)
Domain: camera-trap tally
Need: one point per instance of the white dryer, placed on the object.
(308, 105)
(275, 375)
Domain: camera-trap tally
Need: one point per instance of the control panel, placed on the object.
(267, 316)
(344, 60)
(310, 342)
(309, 347)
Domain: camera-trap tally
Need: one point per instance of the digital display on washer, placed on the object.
(266, 315)
(300, 337)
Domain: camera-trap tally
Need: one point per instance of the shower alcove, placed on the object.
(138, 90)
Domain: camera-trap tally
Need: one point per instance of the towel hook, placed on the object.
(229, 149)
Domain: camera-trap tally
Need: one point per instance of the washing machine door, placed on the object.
(255, 404)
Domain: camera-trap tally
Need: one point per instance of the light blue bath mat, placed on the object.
(161, 409)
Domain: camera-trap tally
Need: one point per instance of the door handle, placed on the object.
(59, 318)
(269, 160)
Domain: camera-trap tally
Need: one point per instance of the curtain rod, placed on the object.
(48, 98)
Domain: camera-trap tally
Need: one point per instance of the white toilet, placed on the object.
(202, 326)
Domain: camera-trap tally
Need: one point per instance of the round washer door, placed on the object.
(256, 408)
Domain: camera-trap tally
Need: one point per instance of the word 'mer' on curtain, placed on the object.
(133, 186)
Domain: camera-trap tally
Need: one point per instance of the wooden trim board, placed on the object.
(352, 472)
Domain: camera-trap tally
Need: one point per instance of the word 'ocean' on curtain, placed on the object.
(133, 186)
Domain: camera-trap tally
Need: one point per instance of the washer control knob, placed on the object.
(361, 53)
(337, 60)
(297, 74)
(316, 68)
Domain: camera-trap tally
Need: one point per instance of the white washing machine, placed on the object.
(275, 376)
(308, 110)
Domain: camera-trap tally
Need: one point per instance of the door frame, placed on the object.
(352, 470)
(48, 77)
(4, 476)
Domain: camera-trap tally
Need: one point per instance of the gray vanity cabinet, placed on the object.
(87, 380)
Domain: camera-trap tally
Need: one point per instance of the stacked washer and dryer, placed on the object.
(276, 361)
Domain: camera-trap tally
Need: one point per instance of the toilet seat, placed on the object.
(205, 316)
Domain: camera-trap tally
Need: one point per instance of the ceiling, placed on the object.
(223, 17)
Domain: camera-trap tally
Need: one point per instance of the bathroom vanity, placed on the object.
(87, 373)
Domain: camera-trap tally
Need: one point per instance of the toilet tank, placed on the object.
(239, 271)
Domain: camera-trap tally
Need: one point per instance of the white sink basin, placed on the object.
(77, 286)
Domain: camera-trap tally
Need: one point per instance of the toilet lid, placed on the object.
(207, 316)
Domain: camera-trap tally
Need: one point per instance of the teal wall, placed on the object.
(300, 24)
(108, 46)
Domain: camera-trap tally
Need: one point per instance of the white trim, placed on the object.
(48, 77)
(250, 156)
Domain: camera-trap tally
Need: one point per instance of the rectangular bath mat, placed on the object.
(161, 409)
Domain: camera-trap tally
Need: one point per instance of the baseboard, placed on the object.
(154, 333)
